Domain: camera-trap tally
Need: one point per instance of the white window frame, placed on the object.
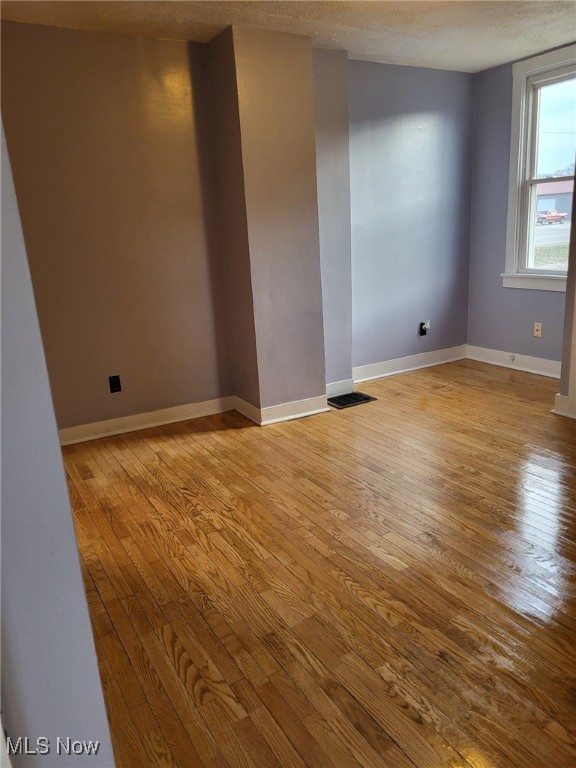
(524, 74)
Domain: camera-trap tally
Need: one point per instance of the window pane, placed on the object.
(551, 214)
(556, 140)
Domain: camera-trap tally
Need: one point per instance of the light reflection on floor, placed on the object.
(541, 504)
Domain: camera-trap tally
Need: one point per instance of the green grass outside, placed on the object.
(555, 256)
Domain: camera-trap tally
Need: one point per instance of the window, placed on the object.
(541, 181)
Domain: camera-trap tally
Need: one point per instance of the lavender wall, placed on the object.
(410, 132)
(333, 179)
(501, 318)
(276, 108)
(50, 681)
(101, 132)
(214, 79)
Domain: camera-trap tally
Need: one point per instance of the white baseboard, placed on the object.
(296, 410)
(565, 405)
(251, 412)
(310, 406)
(343, 387)
(84, 432)
(410, 363)
(518, 362)
(261, 416)
(283, 412)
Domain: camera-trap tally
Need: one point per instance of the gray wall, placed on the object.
(216, 105)
(276, 109)
(333, 179)
(501, 318)
(568, 338)
(176, 237)
(102, 138)
(50, 682)
(410, 133)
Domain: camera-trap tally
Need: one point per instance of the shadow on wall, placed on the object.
(199, 75)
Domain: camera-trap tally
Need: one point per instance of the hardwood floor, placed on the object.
(389, 585)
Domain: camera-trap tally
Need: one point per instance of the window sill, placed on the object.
(534, 282)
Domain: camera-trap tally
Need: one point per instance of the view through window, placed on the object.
(550, 171)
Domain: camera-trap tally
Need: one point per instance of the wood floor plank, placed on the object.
(390, 585)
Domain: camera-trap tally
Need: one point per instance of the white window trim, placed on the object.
(512, 278)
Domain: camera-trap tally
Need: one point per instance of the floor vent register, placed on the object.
(347, 401)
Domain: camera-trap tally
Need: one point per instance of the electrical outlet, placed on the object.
(114, 383)
(538, 330)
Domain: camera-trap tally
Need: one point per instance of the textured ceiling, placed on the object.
(468, 36)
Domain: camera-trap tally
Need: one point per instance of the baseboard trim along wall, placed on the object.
(343, 387)
(283, 412)
(518, 362)
(410, 363)
(564, 405)
(251, 412)
(286, 411)
(313, 405)
(261, 416)
(84, 432)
